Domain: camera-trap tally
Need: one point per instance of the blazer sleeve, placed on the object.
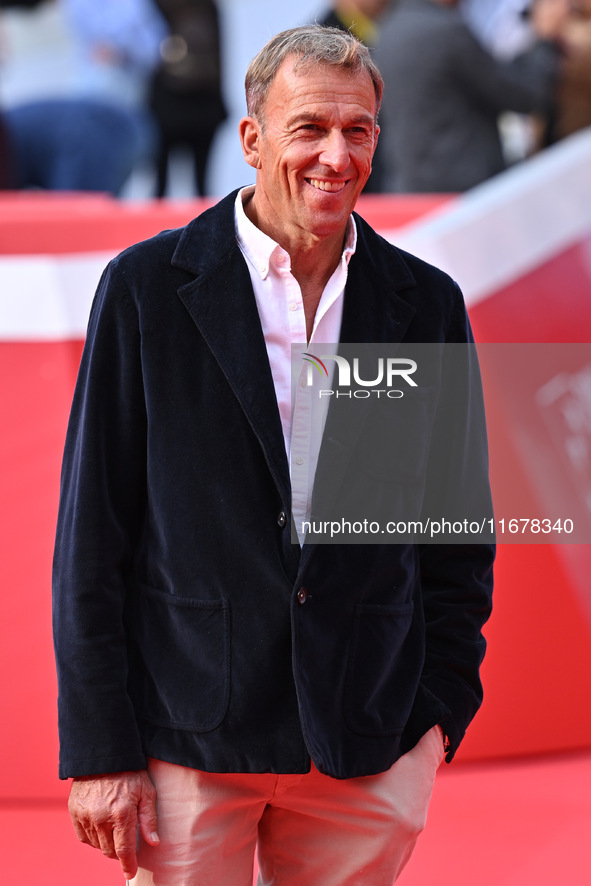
(457, 579)
(102, 490)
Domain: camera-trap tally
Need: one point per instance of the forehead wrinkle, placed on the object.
(316, 117)
(328, 95)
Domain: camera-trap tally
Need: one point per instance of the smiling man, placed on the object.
(311, 141)
(222, 687)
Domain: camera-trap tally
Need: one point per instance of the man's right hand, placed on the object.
(107, 809)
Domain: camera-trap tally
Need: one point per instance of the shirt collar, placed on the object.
(258, 247)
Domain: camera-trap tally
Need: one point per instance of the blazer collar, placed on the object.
(205, 241)
(208, 240)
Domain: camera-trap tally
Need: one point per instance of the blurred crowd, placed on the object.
(110, 86)
(453, 71)
(471, 87)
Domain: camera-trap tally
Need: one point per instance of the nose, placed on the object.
(335, 152)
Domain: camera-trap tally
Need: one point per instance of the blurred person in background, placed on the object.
(33, 57)
(186, 91)
(444, 93)
(79, 119)
(19, 4)
(118, 48)
(72, 145)
(572, 110)
(361, 17)
(501, 25)
(6, 174)
(6, 179)
(505, 28)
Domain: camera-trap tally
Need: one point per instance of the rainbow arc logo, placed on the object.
(317, 362)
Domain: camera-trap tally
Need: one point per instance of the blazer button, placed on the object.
(282, 519)
(302, 596)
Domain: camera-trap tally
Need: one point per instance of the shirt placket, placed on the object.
(301, 425)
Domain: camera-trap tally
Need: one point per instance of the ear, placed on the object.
(250, 134)
(376, 136)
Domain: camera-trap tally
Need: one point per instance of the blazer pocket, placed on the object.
(179, 660)
(383, 671)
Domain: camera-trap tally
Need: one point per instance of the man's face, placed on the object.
(313, 151)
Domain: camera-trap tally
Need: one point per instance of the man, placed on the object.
(573, 105)
(445, 92)
(221, 686)
(186, 92)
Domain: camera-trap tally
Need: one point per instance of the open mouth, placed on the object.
(332, 187)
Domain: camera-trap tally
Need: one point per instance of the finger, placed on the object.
(78, 822)
(147, 818)
(105, 840)
(82, 834)
(125, 851)
(82, 821)
(86, 833)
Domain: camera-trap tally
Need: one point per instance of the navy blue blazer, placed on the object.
(181, 631)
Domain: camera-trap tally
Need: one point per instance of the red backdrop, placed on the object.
(538, 668)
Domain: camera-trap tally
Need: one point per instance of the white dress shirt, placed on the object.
(281, 310)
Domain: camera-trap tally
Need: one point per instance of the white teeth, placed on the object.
(326, 186)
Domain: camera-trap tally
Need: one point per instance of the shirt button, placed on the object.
(293, 306)
(282, 519)
(302, 596)
(299, 460)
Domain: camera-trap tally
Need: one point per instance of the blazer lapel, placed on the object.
(373, 314)
(221, 303)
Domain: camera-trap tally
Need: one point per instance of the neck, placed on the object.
(313, 258)
(317, 262)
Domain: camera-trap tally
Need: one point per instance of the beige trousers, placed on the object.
(310, 830)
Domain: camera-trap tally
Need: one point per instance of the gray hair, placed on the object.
(313, 45)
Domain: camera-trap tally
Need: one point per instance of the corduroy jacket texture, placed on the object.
(179, 632)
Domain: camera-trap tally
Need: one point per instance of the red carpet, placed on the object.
(494, 824)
